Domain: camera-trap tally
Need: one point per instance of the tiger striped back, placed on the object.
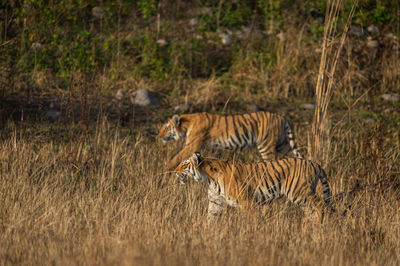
(270, 133)
(242, 185)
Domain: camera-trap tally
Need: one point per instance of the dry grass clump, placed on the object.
(331, 50)
(108, 200)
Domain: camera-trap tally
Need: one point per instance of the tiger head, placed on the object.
(190, 168)
(171, 130)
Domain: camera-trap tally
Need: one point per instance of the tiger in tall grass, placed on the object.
(242, 185)
(270, 133)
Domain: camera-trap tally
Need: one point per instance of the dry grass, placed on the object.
(331, 51)
(108, 200)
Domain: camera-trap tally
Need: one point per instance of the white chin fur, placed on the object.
(163, 141)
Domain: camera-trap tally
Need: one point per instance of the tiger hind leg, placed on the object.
(289, 145)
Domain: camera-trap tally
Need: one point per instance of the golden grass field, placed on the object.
(90, 186)
(107, 200)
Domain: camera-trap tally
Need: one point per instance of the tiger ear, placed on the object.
(176, 120)
(197, 158)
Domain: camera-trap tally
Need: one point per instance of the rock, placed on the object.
(53, 115)
(37, 46)
(357, 31)
(121, 94)
(390, 97)
(162, 42)
(373, 29)
(194, 22)
(281, 36)
(372, 44)
(369, 121)
(390, 36)
(226, 39)
(198, 37)
(308, 106)
(200, 11)
(98, 12)
(320, 20)
(54, 105)
(182, 108)
(145, 97)
(244, 32)
(318, 50)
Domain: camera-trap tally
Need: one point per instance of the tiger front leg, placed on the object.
(216, 204)
(185, 153)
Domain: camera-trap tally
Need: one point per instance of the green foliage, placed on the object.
(374, 12)
(271, 10)
(226, 14)
(65, 36)
(148, 8)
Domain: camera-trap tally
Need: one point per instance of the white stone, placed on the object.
(53, 114)
(145, 97)
(389, 36)
(37, 46)
(369, 120)
(200, 11)
(226, 39)
(54, 105)
(357, 31)
(194, 22)
(308, 106)
(373, 29)
(182, 108)
(372, 44)
(98, 12)
(320, 20)
(162, 42)
(281, 36)
(390, 97)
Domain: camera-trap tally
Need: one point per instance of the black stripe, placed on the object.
(277, 182)
(236, 135)
(283, 175)
(243, 124)
(271, 189)
(288, 189)
(208, 118)
(289, 172)
(263, 176)
(226, 128)
(263, 199)
(253, 125)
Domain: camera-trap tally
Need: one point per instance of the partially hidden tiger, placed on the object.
(247, 185)
(269, 132)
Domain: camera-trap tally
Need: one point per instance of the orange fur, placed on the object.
(264, 130)
(242, 185)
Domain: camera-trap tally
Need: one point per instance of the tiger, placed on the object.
(264, 130)
(243, 185)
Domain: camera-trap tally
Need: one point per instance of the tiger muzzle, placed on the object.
(182, 178)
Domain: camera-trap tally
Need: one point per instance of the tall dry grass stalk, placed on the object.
(331, 51)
